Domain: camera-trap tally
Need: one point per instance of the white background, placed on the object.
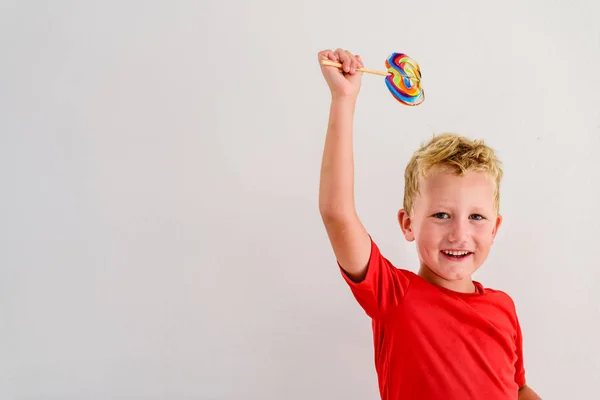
(159, 168)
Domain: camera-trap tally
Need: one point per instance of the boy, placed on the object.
(437, 334)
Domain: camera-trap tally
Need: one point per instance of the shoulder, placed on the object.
(377, 255)
(502, 297)
(499, 293)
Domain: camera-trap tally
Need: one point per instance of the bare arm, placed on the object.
(527, 393)
(347, 235)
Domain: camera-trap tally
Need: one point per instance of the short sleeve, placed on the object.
(382, 288)
(519, 365)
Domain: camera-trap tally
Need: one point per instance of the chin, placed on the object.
(454, 272)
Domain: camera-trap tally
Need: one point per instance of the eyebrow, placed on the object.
(481, 210)
(440, 205)
(476, 209)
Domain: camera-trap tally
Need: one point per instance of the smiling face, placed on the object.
(454, 223)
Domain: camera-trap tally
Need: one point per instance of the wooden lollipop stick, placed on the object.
(369, 71)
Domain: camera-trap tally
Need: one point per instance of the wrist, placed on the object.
(343, 99)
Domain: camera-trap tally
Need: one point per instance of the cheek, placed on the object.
(483, 235)
(483, 242)
(428, 239)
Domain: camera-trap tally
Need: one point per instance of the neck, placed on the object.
(465, 285)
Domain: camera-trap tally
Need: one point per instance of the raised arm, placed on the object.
(349, 239)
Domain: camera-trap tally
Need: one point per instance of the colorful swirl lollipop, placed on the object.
(405, 80)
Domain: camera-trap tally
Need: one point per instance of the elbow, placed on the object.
(335, 209)
(329, 213)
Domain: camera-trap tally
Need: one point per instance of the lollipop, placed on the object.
(403, 78)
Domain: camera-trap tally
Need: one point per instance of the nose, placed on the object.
(459, 231)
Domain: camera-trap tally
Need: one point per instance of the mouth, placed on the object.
(456, 255)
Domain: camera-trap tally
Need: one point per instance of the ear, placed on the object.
(496, 226)
(406, 225)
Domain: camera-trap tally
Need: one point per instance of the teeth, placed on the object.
(456, 253)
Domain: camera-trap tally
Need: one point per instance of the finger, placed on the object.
(339, 54)
(327, 55)
(347, 61)
(350, 57)
(355, 64)
(332, 55)
(360, 62)
(344, 59)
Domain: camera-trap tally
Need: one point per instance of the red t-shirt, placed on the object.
(434, 343)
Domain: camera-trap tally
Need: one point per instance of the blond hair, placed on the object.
(455, 153)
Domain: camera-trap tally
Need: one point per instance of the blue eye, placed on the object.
(477, 217)
(441, 215)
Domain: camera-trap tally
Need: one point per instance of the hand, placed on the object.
(343, 82)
